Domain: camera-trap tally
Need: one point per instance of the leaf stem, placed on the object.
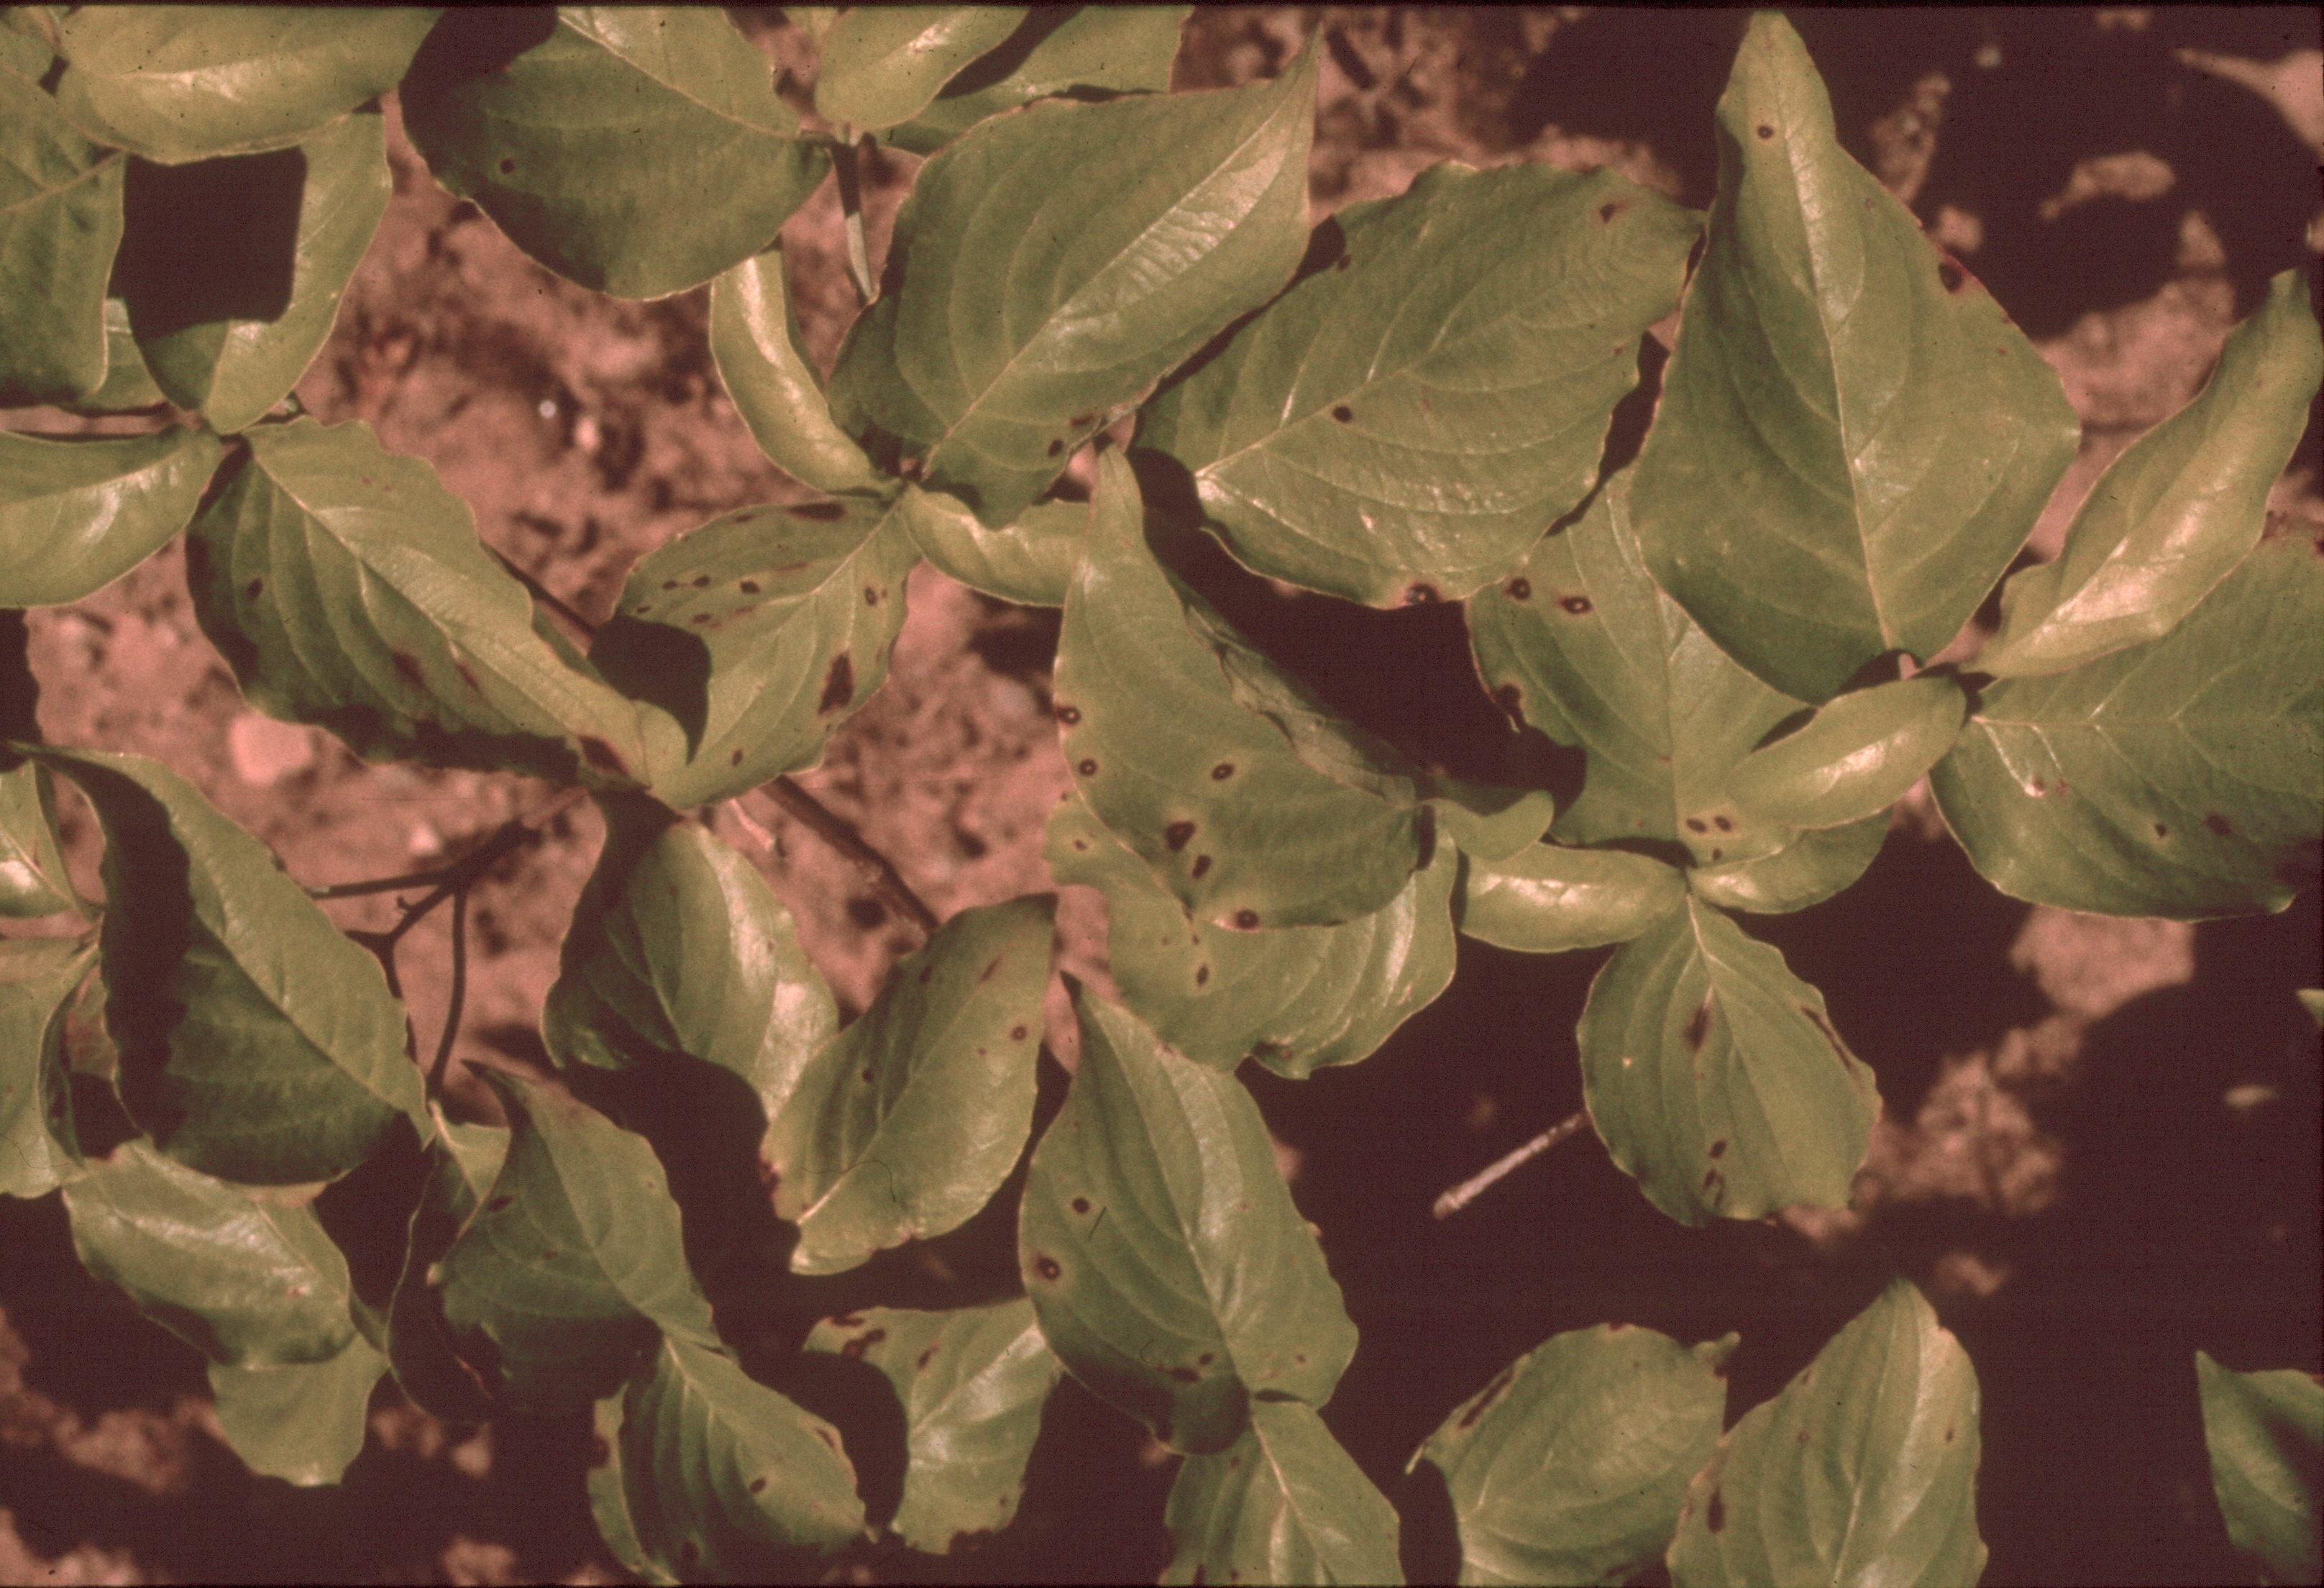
(850, 206)
(893, 891)
(546, 597)
(1476, 1185)
(458, 994)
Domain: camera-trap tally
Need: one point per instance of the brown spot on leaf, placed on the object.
(602, 756)
(848, 1320)
(1607, 212)
(1081, 1204)
(1069, 715)
(1722, 824)
(670, 584)
(1699, 1028)
(1950, 274)
(1343, 413)
(1715, 1517)
(1816, 1017)
(2162, 831)
(820, 512)
(1247, 919)
(1086, 766)
(1185, 1375)
(1511, 701)
(748, 587)
(1202, 975)
(735, 759)
(702, 620)
(498, 1203)
(407, 669)
(508, 165)
(1055, 448)
(987, 971)
(1046, 1266)
(855, 1348)
(1718, 1147)
(251, 591)
(1520, 588)
(1177, 834)
(467, 674)
(1223, 771)
(1341, 263)
(920, 1363)
(702, 581)
(1201, 864)
(1578, 605)
(1764, 130)
(870, 596)
(2040, 787)
(1949, 1431)
(600, 1453)
(1484, 1403)
(759, 1484)
(1695, 824)
(1421, 595)
(1016, 1033)
(2218, 824)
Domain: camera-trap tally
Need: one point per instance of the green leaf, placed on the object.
(749, 640)
(245, 1282)
(1855, 757)
(228, 328)
(1811, 868)
(1572, 1464)
(38, 978)
(2311, 999)
(1210, 796)
(907, 1122)
(2174, 514)
(1065, 50)
(754, 339)
(1031, 562)
(1049, 267)
(463, 1161)
(257, 1044)
(1863, 1471)
(76, 515)
(637, 150)
(1296, 999)
(2181, 778)
(564, 1278)
(881, 64)
(609, 1497)
(972, 1383)
(677, 946)
(1715, 1078)
(128, 384)
(1282, 1504)
(302, 1422)
(1582, 644)
(1549, 900)
(27, 34)
(32, 880)
(348, 589)
(60, 227)
(1400, 425)
(1167, 1265)
(175, 83)
(1852, 439)
(718, 1470)
(2265, 1432)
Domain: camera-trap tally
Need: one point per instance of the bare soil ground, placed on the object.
(2065, 1165)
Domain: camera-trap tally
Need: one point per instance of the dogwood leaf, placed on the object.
(879, 65)
(1809, 870)
(1853, 439)
(32, 880)
(1570, 1465)
(1283, 1504)
(1065, 50)
(754, 339)
(2265, 1433)
(1166, 1263)
(1864, 1469)
(1855, 757)
(38, 979)
(1403, 424)
(76, 515)
(2180, 778)
(59, 227)
(1549, 900)
(1051, 265)
(257, 1043)
(1031, 562)
(907, 1122)
(302, 1422)
(636, 150)
(1714, 1075)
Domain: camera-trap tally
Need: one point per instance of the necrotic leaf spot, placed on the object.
(759, 1486)
(1716, 1517)
(702, 581)
(1201, 974)
(749, 586)
(1088, 767)
(2162, 831)
(838, 685)
(1055, 448)
(507, 165)
(1223, 771)
(498, 1203)
(1248, 920)
(1177, 835)
(1511, 701)
(1420, 595)
(1081, 1204)
(1046, 1266)
(1765, 131)
(1718, 1147)
(407, 670)
(2218, 824)
(1201, 864)
(1016, 1033)
(1949, 274)
(1698, 1028)
(1576, 605)
(1695, 824)
(251, 590)
(1069, 715)
(1343, 413)
(1520, 589)
(821, 512)
(855, 1348)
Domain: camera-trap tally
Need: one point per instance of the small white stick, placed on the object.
(1474, 1186)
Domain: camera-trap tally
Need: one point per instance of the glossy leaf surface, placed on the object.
(33, 878)
(60, 227)
(1052, 264)
(348, 589)
(972, 1383)
(1863, 1471)
(1853, 439)
(176, 83)
(1570, 1465)
(1031, 562)
(1283, 1504)
(1809, 870)
(1582, 645)
(1166, 1263)
(38, 979)
(2174, 514)
(128, 384)
(718, 1470)
(636, 150)
(2180, 778)
(302, 1422)
(245, 1282)
(881, 64)
(1117, 49)
(565, 1277)
(1715, 1077)
(1413, 416)
(1209, 795)
(1856, 757)
(257, 1043)
(1549, 900)
(77, 515)
(229, 327)
(754, 338)
(677, 946)
(749, 640)
(2265, 1433)
(907, 1122)
(1295, 999)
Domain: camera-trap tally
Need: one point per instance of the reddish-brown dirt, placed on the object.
(2123, 205)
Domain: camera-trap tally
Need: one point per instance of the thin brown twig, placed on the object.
(1476, 1185)
(545, 595)
(458, 994)
(891, 889)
